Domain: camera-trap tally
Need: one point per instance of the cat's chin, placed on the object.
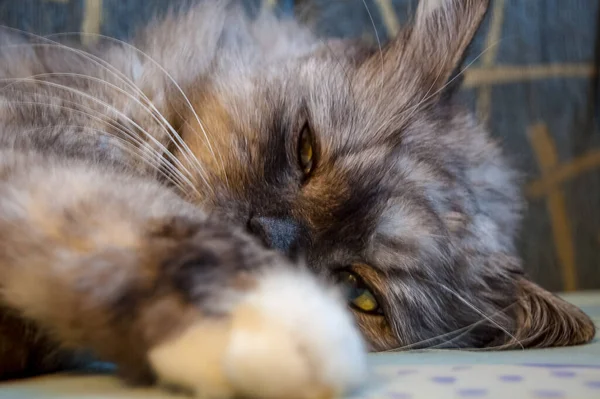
(289, 338)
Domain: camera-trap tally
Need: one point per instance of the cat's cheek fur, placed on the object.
(288, 338)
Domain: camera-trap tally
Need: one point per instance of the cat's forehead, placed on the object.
(357, 165)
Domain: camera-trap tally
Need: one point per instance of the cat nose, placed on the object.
(276, 233)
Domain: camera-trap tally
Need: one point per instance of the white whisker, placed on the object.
(380, 48)
(461, 332)
(184, 148)
(123, 145)
(115, 72)
(88, 113)
(419, 343)
(167, 74)
(473, 307)
(164, 124)
(108, 106)
(174, 171)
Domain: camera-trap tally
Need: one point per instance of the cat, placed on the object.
(234, 206)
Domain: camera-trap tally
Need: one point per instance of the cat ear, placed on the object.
(543, 319)
(442, 31)
(422, 58)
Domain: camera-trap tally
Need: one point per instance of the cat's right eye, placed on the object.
(358, 293)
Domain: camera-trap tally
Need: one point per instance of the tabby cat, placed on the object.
(236, 207)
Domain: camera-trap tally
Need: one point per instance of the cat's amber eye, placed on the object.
(358, 293)
(306, 152)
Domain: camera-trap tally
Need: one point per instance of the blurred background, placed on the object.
(532, 78)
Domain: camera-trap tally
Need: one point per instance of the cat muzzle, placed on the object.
(277, 233)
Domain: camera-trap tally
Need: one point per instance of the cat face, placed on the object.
(358, 161)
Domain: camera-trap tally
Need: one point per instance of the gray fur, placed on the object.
(409, 191)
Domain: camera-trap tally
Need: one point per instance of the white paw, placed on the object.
(290, 338)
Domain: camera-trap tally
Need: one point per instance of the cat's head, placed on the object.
(358, 160)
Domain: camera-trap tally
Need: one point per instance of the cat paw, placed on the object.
(290, 337)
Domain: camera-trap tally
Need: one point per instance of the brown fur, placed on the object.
(537, 310)
(111, 228)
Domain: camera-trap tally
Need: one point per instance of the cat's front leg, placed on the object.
(120, 266)
(266, 330)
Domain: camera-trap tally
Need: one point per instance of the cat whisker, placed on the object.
(123, 145)
(175, 173)
(88, 112)
(103, 103)
(108, 67)
(461, 332)
(380, 48)
(165, 72)
(474, 325)
(480, 312)
(164, 124)
(419, 343)
(182, 145)
(84, 54)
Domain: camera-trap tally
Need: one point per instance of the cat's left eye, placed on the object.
(306, 153)
(358, 293)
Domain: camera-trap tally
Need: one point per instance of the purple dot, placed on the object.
(511, 378)
(472, 393)
(405, 372)
(548, 393)
(444, 380)
(563, 373)
(399, 395)
(593, 384)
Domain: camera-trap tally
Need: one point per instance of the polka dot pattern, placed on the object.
(444, 380)
(593, 384)
(564, 373)
(511, 378)
(484, 382)
(548, 394)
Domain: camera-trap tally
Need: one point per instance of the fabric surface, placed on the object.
(557, 373)
(531, 77)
